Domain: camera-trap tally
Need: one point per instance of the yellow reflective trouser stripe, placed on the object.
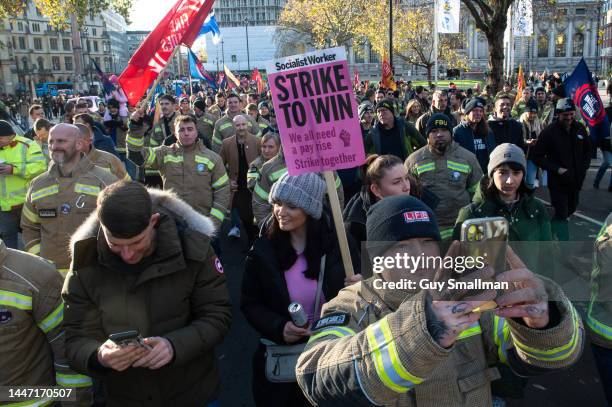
(217, 214)
(34, 249)
(86, 189)
(474, 329)
(446, 233)
(338, 331)
(458, 166)
(31, 403)
(41, 193)
(425, 167)
(277, 174)
(601, 329)
(173, 159)
(259, 191)
(209, 164)
(220, 182)
(31, 216)
(150, 157)
(252, 175)
(554, 354)
(389, 368)
(73, 380)
(19, 301)
(133, 141)
(501, 338)
(53, 319)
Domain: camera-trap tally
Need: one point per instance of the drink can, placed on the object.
(298, 315)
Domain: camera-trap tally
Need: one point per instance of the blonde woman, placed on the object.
(413, 111)
(532, 126)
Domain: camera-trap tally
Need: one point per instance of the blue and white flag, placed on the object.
(581, 87)
(210, 25)
(197, 71)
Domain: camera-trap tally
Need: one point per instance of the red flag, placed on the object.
(256, 76)
(232, 81)
(356, 78)
(387, 75)
(180, 26)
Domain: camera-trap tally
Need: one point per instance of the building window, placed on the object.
(95, 44)
(24, 63)
(41, 63)
(580, 11)
(107, 66)
(53, 44)
(88, 46)
(94, 32)
(234, 59)
(543, 46)
(55, 62)
(66, 44)
(106, 46)
(97, 59)
(37, 44)
(578, 45)
(19, 26)
(36, 27)
(22, 44)
(68, 63)
(560, 45)
(374, 57)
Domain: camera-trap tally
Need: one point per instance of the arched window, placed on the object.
(578, 45)
(543, 46)
(560, 45)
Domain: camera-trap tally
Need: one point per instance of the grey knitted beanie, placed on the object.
(506, 153)
(304, 191)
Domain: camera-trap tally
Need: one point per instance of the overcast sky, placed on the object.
(145, 14)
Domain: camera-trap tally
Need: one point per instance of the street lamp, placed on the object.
(246, 27)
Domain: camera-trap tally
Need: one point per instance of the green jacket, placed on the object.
(178, 292)
(528, 221)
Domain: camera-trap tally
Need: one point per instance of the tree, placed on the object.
(59, 11)
(324, 23)
(490, 17)
(413, 37)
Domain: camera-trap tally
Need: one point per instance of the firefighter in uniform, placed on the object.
(100, 158)
(599, 317)
(60, 199)
(187, 167)
(165, 127)
(447, 169)
(206, 121)
(224, 127)
(21, 159)
(270, 172)
(376, 345)
(31, 317)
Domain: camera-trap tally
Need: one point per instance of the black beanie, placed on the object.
(559, 91)
(199, 103)
(6, 129)
(532, 105)
(386, 104)
(438, 121)
(396, 218)
(113, 103)
(472, 104)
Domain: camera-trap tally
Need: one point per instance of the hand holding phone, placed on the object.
(116, 357)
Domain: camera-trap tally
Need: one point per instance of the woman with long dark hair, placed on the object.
(283, 267)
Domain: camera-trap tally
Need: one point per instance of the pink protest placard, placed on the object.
(316, 111)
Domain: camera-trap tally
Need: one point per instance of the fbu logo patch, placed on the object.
(416, 216)
(588, 101)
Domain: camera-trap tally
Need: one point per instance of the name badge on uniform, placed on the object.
(47, 213)
(200, 167)
(335, 319)
(455, 176)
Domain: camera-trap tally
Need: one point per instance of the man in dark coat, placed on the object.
(143, 262)
(564, 150)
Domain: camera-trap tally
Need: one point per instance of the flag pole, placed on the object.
(146, 101)
(436, 43)
(190, 84)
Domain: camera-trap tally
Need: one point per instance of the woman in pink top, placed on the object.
(283, 267)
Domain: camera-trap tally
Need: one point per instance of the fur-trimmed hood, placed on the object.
(165, 200)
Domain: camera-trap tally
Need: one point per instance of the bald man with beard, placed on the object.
(61, 198)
